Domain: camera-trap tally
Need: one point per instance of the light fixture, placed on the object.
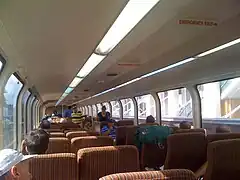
(168, 67)
(130, 16)
(219, 48)
(75, 82)
(91, 63)
(68, 90)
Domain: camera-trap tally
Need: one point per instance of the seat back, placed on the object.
(125, 123)
(174, 174)
(57, 134)
(186, 151)
(56, 126)
(223, 160)
(74, 134)
(58, 145)
(149, 124)
(54, 130)
(200, 130)
(97, 162)
(130, 135)
(90, 141)
(70, 125)
(61, 166)
(121, 135)
(222, 136)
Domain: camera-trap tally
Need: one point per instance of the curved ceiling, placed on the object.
(54, 39)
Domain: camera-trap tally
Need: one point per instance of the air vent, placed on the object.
(112, 74)
(86, 90)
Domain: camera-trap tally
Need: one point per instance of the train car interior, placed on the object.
(121, 90)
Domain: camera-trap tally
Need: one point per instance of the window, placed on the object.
(99, 108)
(34, 115)
(11, 92)
(86, 110)
(128, 108)
(115, 109)
(176, 106)
(146, 107)
(94, 110)
(25, 97)
(89, 110)
(107, 106)
(29, 111)
(220, 104)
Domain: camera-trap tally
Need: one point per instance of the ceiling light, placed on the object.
(130, 16)
(68, 90)
(64, 95)
(219, 48)
(91, 63)
(75, 82)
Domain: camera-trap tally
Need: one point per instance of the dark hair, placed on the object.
(45, 124)
(223, 129)
(185, 125)
(37, 141)
(69, 107)
(104, 108)
(150, 119)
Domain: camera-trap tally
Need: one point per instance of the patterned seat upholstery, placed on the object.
(97, 162)
(201, 130)
(54, 130)
(90, 141)
(222, 136)
(61, 166)
(125, 123)
(186, 151)
(223, 160)
(70, 125)
(74, 134)
(130, 134)
(58, 145)
(56, 126)
(173, 174)
(121, 135)
(57, 134)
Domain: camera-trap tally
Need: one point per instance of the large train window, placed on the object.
(25, 97)
(99, 108)
(146, 107)
(11, 92)
(94, 110)
(128, 108)
(220, 104)
(176, 106)
(89, 110)
(115, 109)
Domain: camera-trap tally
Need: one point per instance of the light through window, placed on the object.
(128, 108)
(115, 109)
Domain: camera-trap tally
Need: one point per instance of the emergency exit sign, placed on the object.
(197, 22)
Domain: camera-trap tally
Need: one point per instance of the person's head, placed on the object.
(14, 165)
(36, 141)
(223, 129)
(69, 107)
(150, 119)
(45, 124)
(104, 108)
(110, 123)
(184, 125)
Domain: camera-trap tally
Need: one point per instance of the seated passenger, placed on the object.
(223, 129)
(76, 116)
(67, 112)
(36, 142)
(45, 124)
(14, 165)
(184, 125)
(150, 119)
(109, 129)
(103, 115)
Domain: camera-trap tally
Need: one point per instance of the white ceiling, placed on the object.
(54, 39)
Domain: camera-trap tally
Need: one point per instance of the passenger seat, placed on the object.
(74, 134)
(97, 162)
(59, 145)
(173, 174)
(90, 141)
(54, 167)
